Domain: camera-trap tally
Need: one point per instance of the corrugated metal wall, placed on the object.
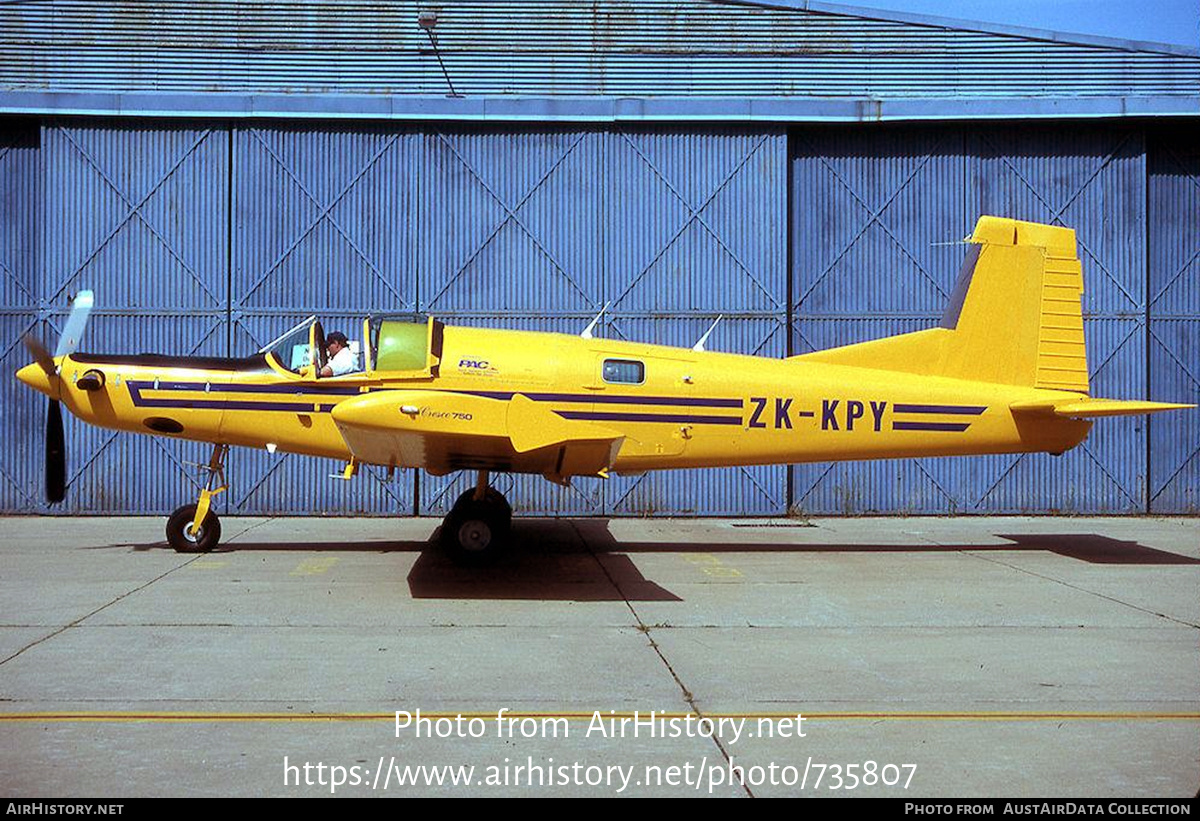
(203, 240)
(877, 213)
(140, 216)
(539, 228)
(1092, 178)
(22, 310)
(1174, 311)
(638, 48)
(871, 211)
(322, 224)
(214, 239)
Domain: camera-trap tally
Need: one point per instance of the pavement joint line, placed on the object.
(284, 717)
(86, 616)
(1098, 595)
(461, 625)
(645, 630)
(242, 533)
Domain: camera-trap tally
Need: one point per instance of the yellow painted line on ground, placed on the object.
(181, 716)
(710, 565)
(314, 567)
(207, 564)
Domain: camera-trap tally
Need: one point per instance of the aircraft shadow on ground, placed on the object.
(580, 559)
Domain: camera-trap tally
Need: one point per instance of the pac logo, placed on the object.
(476, 364)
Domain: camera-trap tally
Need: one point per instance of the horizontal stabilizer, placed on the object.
(1084, 408)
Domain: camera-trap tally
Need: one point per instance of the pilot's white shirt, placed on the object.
(342, 362)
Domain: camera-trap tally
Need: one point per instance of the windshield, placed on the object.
(291, 348)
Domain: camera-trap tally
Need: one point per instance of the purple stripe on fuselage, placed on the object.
(605, 399)
(137, 386)
(233, 404)
(965, 410)
(284, 388)
(291, 391)
(616, 416)
(949, 427)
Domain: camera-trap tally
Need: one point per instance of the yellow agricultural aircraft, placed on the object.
(1005, 372)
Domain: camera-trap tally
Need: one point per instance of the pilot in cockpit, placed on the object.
(341, 357)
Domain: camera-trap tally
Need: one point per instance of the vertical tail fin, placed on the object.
(1021, 321)
(1014, 317)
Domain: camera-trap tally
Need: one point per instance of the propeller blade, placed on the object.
(76, 322)
(40, 354)
(56, 455)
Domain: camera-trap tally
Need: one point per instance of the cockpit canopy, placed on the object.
(404, 343)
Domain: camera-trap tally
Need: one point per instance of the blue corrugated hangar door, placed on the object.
(1174, 231)
(137, 213)
(697, 228)
(24, 418)
(214, 241)
(1092, 179)
(512, 231)
(324, 223)
(538, 228)
(877, 213)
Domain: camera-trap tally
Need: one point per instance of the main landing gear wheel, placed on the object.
(185, 539)
(183, 533)
(477, 530)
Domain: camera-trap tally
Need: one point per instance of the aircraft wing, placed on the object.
(1082, 407)
(443, 431)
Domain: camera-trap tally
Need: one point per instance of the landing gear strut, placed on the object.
(477, 528)
(195, 528)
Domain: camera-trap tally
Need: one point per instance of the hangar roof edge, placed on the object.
(962, 24)
(762, 110)
(568, 61)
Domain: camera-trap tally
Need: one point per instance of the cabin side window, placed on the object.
(624, 371)
(400, 343)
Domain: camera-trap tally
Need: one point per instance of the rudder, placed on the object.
(1021, 322)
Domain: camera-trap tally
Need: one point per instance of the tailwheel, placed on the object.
(478, 526)
(185, 537)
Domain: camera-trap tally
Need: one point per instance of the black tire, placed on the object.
(476, 532)
(180, 536)
(491, 497)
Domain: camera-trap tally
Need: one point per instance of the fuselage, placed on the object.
(671, 407)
